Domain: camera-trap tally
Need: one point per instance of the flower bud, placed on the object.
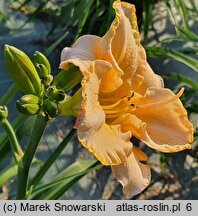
(47, 80)
(54, 95)
(58, 96)
(39, 58)
(42, 70)
(66, 80)
(52, 108)
(22, 71)
(50, 90)
(29, 104)
(3, 113)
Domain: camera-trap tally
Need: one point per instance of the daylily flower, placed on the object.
(123, 97)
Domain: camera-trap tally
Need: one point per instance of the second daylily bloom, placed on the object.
(123, 97)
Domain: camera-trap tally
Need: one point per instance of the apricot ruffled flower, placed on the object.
(122, 97)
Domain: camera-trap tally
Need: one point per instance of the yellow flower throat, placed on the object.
(114, 107)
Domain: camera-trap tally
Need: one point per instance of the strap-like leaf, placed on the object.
(64, 180)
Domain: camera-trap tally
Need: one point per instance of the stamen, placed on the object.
(112, 105)
(169, 100)
(116, 114)
(119, 107)
(130, 97)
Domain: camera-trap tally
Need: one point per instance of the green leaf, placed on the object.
(82, 12)
(61, 183)
(176, 55)
(147, 7)
(194, 7)
(3, 16)
(45, 167)
(188, 34)
(185, 59)
(56, 43)
(65, 13)
(108, 19)
(183, 11)
(78, 16)
(93, 19)
(183, 79)
(10, 93)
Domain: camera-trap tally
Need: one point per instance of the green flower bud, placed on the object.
(3, 113)
(50, 90)
(54, 95)
(29, 98)
(52, 108)
(47, 80)
(29, 104)
(58, 96)
(22, 71)
(42, 70)
(66, 80)
(39, 58)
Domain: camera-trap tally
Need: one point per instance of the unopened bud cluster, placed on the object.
(52, 102)
(42, 94)
(43, 68)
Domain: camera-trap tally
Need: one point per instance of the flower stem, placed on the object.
(16, 149)
(8, 173)
(23, 172)
(52, 158)
(15, 124)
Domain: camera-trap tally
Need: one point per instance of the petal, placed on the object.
(81, 53)
(108, 76)
(118, 45)
(123, 54)
(90, 105)
(161, 121)
(144, 76)
(129, 55)
(131, 123)
(107, 143)
(133, 174)
(91, 87)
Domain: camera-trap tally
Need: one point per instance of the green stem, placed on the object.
(8, 173)
(15, 124)
(21, 125)
(16, 149)
(52, 158)
(23, 172)
(8, 95)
